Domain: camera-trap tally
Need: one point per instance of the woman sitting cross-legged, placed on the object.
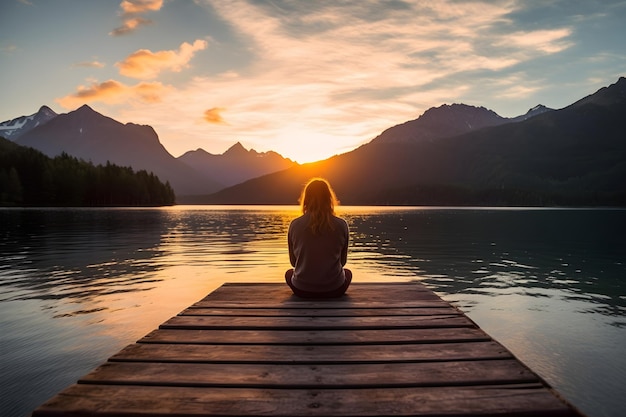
(318, 245)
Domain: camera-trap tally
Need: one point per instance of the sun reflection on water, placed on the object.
(77, 285)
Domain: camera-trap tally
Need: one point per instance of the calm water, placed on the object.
(76, 286)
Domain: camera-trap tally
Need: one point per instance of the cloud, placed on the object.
(129, 25)
(336, 74)
(113, 92)
(130, 10)
(140, 6)
(145, 64)
(546, 41)
(89, 64)
(214, 115)
(8, 49)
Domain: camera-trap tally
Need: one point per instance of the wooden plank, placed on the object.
(149, 352)
(111, 400)
(308, 312)
(317, 337)
(301, 323)
(388, 293)
(389, 375)
(255, 349)
(299, 303)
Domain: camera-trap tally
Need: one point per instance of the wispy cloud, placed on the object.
(335, 74)
(113, 92)
(140, 6)
(129, 25)
(8, 49)
(145, 64)
(544, 41)
(142, 64)
(214, 115)
(89, 64)
(130, 11)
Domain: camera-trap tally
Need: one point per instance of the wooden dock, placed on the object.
(388, 349)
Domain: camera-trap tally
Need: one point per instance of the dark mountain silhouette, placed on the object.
(441, 122)
(235, 165)
(13, 129)
(88, 135)
(30, 178)
(572, 156)
(449, 120)
(535, 111)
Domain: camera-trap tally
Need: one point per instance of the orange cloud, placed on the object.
(130, 25)
(129, 14)
(140, 6)
(548, 41)
(112, 92)
(145, 64)
(214, 116)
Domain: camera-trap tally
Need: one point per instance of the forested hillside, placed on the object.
(30, 178)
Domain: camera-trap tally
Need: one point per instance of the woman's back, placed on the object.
(318, 245)
(318, 258)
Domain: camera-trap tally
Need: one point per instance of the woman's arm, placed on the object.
(344, 250)
(292, 255)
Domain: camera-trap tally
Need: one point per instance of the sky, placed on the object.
(309, 78)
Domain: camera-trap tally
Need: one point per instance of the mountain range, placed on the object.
(88, 135)
(12, 129)
(464, 155)
(236, 165)
(451, 155)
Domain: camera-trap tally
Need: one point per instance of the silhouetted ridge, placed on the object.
(86, 134)
(236, 165)
(236, 150)
(575, 156)
(440, 122)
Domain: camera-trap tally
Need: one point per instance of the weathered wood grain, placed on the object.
(316, 337)
(149, 352)
(301, 323)
(339, 376)
(324, 312)
(297, 303)
(385, 349)
(110, 400)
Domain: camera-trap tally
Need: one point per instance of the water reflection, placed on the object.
(77, 285)
(86, 254)
(78, 254)
(82, 254)
(579, 253)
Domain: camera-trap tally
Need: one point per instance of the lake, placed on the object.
(77, 285)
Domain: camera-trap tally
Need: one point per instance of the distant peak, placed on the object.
(236, 149)
(46, 110)
(539, 108)
(458, 110)
(85, 108)
(86, 111)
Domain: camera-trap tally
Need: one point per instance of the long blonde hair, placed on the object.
(319, 199)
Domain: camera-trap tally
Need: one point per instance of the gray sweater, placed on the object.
(318, 260)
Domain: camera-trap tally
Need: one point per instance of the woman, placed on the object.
(318, 245)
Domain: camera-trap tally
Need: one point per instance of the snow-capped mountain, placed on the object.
(13, 129)
(91, 136)
(535, 111)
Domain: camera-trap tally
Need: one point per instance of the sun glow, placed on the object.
(303, 147)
